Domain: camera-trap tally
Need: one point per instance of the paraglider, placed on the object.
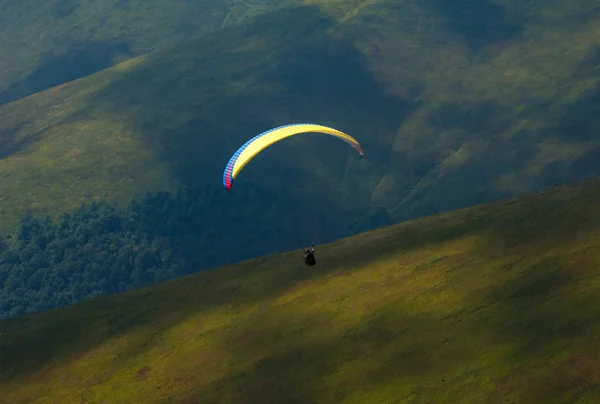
(309, 256)
(260, 142)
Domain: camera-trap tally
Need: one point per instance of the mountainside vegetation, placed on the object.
(454, 106)
(99, 249)
(455, 103)
(47, 43)
(496, 303)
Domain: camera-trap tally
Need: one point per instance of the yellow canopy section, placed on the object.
(255, 145)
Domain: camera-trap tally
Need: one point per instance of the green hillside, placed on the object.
(47, 43)
(446, 122)
(497, 303)
(454, 107)
(145, 126)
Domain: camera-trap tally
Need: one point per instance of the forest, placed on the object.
(100, 249)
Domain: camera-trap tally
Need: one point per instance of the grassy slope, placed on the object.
(45, 43)
(446, 121)
(165, 118)
(510, 114)
(497, 303)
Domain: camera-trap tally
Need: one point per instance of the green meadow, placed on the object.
(454, 106)
(497, 303)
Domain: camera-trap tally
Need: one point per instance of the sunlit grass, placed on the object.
(483, 304)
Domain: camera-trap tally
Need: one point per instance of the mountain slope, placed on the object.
(165, 119)
(47, 43)
(453, 106)
(489, 304)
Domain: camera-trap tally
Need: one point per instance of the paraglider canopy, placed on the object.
(260, 142)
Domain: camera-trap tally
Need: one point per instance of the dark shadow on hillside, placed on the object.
(63, 8)
(470, 183)
(10, 145)
(590, 64)
(473, 130)
(582, 168)
(580, 121)
(478, 22)
(11, 142)
(480, 120)
(586, 166)
(311, 78)
(79, 61)
(194, 117)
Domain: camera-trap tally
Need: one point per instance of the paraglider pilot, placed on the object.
(309, 256)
